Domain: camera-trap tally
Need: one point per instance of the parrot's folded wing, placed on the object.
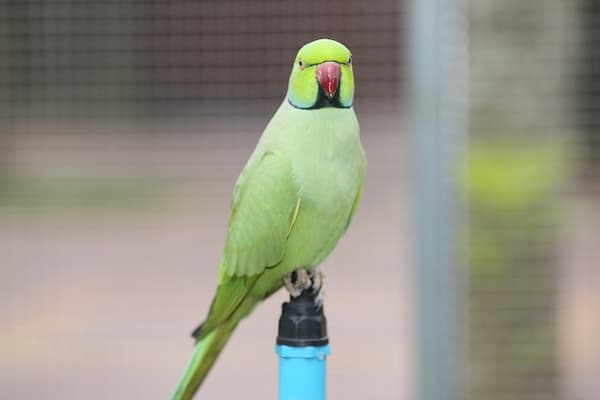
(265, 205)
(355, 205)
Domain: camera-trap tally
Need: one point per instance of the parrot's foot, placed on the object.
(301, 279)
(295, 282)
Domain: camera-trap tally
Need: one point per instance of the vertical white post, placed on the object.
(439, 62)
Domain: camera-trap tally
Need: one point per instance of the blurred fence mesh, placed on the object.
(586, 89)
(178, 58)
(534, 139)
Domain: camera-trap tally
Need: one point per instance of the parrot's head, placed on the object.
(322, 76)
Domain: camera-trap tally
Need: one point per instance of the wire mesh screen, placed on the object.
(586, 90)
(140, 58)
(533, 136)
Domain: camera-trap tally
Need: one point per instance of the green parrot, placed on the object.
(292, 202)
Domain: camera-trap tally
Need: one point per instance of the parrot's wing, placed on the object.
(265, 205)
(355, 205)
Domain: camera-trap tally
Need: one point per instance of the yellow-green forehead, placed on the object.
(324, 50)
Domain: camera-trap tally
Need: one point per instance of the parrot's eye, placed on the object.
(301, 64)
(350, 60)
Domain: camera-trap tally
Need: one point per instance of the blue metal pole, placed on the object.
(303, 347)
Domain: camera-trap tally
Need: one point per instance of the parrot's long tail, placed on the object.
(206, 353)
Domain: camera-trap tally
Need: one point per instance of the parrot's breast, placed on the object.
(329, 165)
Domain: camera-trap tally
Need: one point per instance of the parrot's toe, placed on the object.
(295, 282)
(318, 285)
(302, 279)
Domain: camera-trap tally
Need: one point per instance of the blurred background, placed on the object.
(124, 124)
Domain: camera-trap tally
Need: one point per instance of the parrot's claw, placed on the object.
(295, 282)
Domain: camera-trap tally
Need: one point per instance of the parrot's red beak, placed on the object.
(328, 75)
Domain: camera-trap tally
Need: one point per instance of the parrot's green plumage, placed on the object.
(293, 200)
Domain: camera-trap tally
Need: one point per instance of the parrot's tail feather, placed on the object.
(205, 355)
(197, 332)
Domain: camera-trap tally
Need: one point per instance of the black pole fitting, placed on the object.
(302, 322)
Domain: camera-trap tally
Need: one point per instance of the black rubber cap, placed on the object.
(302, 322)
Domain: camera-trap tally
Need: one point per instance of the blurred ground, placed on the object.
(103, 280)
